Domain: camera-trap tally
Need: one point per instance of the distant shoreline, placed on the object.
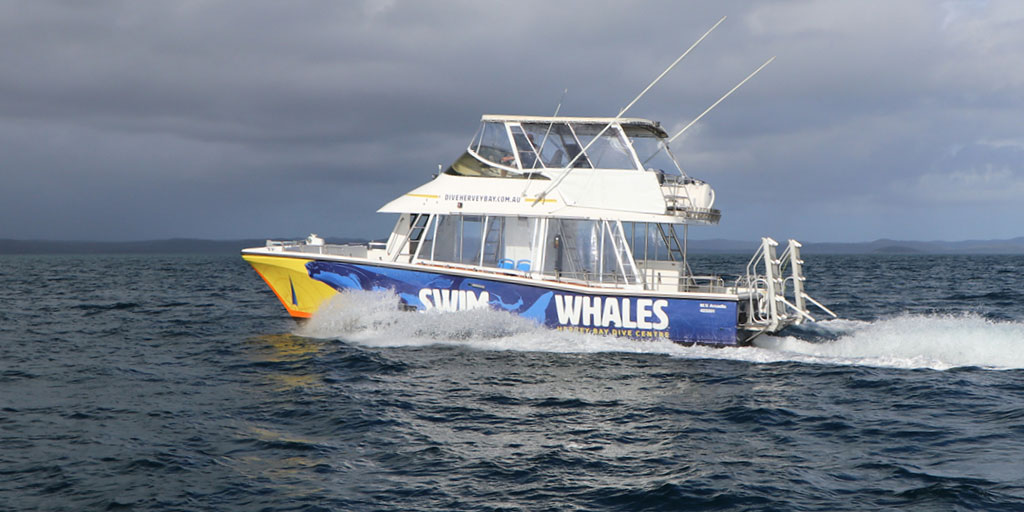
(166, 246)
(713, 246)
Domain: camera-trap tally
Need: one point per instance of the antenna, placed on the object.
(552, 123)
(569, 166)
(544, 140)
(715, 104)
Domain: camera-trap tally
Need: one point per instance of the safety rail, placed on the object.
(703, 215)
(774, 301)
(680, 203)
(685, 283)
(285, 243)
(317, 246)
(653, 281)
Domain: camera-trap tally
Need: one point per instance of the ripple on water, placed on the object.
(182, 385)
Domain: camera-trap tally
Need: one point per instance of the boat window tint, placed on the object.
(469, 165)
(609, 151)
(446, 239)
(494, 242)
(527, 147)
(427, 244)
(551, 141)
(458, 239)
(471, 235)
(577, 253)
(495, 146)
(477, 137)
(418, 225)
(648, 147)
(647, 241)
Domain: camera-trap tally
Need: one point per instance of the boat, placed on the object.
(528, 222)
(577, 223)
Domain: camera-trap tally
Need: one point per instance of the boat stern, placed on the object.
(770, 300)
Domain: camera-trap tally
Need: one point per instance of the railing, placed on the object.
(768, 304)
(595, 279)
(302, 246)
(708, 215)
(679, 203)
(653, 281)
(710, 284)
(284, 243)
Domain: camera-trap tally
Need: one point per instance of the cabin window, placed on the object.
(609, 151)
(653, 241)
(417, 230)
(426, 246)
(475, 145)
(568, 248)
(471, 238)
(527, 148)
(491, 154)
(652, 151)
(503, 148)
(594, 251)
(456, 239)
(552, 141)
(469, 165)
(497, 242)
(495, 145)
(494, 242)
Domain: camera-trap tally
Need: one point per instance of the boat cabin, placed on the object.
(593, 201)
(602, 253)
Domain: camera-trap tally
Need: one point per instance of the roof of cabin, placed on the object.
(624, 121)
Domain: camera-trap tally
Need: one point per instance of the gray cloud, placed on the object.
(129, 120)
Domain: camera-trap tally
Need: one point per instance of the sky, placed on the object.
(128, 120)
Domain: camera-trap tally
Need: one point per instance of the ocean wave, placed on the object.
(908, 341)
(937, 342)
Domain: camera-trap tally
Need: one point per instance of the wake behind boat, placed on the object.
(573, 222)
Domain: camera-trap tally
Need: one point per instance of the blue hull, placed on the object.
(681, 320)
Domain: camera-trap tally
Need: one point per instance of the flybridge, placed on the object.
(623, 170)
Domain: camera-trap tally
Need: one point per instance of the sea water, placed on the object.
(179, 383)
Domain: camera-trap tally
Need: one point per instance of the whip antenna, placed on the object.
(715, 104)
(569, 166)
(552, 123)
(543, 141)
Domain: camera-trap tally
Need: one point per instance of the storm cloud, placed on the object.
(139, 120)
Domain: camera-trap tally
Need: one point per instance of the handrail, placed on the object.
(769, 305)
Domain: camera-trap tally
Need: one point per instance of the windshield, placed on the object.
(560, 143)
(494, 144)
(556, 143)
(609, 151)
(519, 149)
